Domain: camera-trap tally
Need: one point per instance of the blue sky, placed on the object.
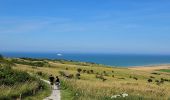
(85, 26)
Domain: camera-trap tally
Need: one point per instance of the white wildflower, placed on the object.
(115, 96)
(77, 94)
(124, 95)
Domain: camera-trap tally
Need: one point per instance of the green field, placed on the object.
(165, 70)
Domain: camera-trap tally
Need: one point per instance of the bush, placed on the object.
(152, 77)
(88, 72)
(78, 75)
(9, 76)
(149, 80)
(79, 70)
(92, 71)
(66, 68)
(135, 78)
(84, 71)
(156, 73)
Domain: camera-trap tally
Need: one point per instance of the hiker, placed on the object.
(51, 78)
(57, 81)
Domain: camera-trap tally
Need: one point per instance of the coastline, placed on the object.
(118, 60)
(150, 67)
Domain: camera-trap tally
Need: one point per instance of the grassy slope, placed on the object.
(20, 84)
(88, 87)
(41, 94)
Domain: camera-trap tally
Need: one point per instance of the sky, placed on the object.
(85, 26)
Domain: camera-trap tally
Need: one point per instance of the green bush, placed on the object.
(8, 76)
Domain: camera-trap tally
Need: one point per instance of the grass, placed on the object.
(41, 94)
(88, 87)
(67, 94)
(19, 84)
(97, 90)
(10, 92)
(165, 70)
(25, 90)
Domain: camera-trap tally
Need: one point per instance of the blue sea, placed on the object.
(121, 60)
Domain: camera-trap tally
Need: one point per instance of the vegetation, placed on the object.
(94, 82)
(15, 84)
(165, 70)
(8, 76)
(30, 62)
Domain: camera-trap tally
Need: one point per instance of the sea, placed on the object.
(119, 60)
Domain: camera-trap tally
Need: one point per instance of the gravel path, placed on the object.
(55, 95)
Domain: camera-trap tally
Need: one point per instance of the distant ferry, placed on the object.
(59, 54)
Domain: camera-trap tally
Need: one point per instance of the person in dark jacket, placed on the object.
(51, 78)
(57, 81)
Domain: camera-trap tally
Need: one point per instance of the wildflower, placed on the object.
(124, 95)
(115, 96)
(77, 94)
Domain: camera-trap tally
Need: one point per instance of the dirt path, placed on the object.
(55, 95)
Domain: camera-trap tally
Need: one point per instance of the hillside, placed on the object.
(89, 81)
(20, 85)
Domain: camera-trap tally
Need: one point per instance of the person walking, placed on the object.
(51, 78)
(57, 82)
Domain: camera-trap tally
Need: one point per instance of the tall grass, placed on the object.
(15, 91)
(85, 90)
(18, 84)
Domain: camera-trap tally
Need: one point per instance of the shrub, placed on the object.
(66, 68)
(84, 71)
(92, 71)
(121, 78)
(135, 78)
(156, 73)
(162, 80)
(149, 80)
(9, 76)
(156, 81)
(104, 79)
(70, 76)
(79, 70)
(104, 73)
(78, 75)
(88, 72)
(130, 76)
(152, 77)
